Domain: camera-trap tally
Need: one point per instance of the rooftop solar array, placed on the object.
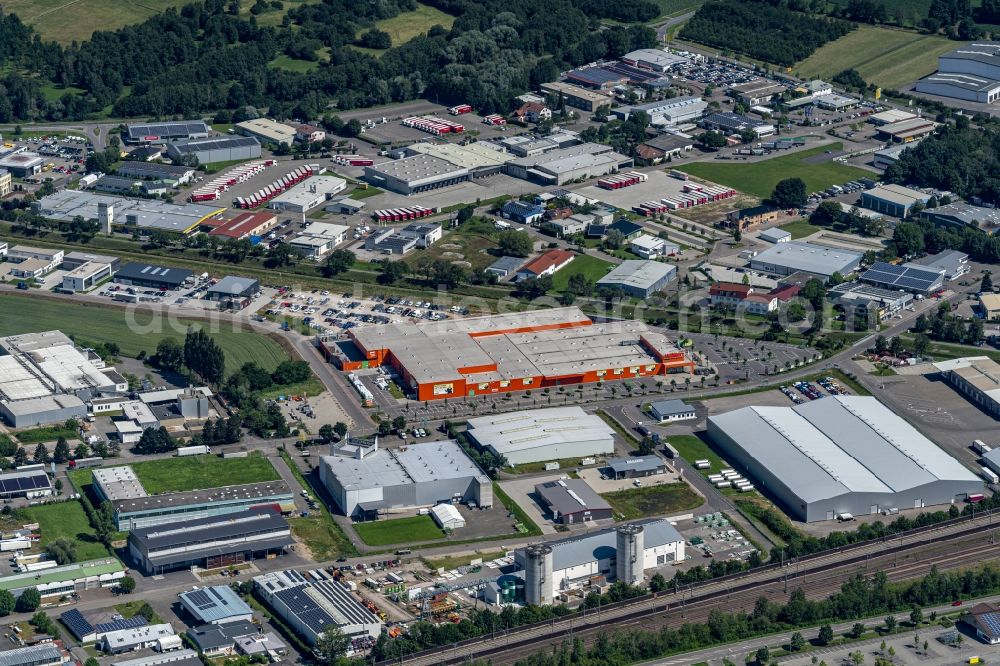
(222, 143)
(11, 484)
(77, 623)
(906, 277)
(163, 130)
(121, 624)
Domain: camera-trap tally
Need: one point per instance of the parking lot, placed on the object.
(737, 358)
(64, 156)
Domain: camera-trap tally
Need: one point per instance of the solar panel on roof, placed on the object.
(133, 622)
(77, 623)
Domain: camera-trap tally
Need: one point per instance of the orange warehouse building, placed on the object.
(512, 352)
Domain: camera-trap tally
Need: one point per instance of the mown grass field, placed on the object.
(591, 267)
(883, 56)
(67, 519)
(293, 65)
(759, 178)
(800, 228)
(692, 448)
(399, 531)
(132, 331)
(201, 472)
(652, 500)
(66, 20)
(406, 26)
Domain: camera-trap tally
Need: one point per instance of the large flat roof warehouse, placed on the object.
(416, 463)
(653, 59)
(150, 274)
(517, 351)
(844, 454)
(793, 256)
(536, 435)
(43, 654)
(473, 156)
(267, 130)
(976, 376)
(65, 205)
(983, 53)
(185, 147)
(309, 193)
(155, 132)
(54, 580)
(638, 275)
(35, 365)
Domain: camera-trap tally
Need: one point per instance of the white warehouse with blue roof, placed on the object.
(840, 455)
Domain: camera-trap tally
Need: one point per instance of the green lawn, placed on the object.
(399, 531)
(131, 609)
(132, 331)
(800, 228)
(290, 64)
(67, 519)
(886, 57)
(759, 178)
(45, 434)
(592, 267)
(653, 500)
(360, 193)
(322, 536)
(200, 472)
(692, 448)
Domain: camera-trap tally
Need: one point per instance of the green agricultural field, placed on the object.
(65, 21)
(399, 530)
(67, 519)
(759, 178)
(133, 332)
(653, 500)
(883, 56)
(592, 267)
(200, 472)
(406, 26)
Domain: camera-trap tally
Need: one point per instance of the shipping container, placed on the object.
(989, 475)
(193, 450)
(981, 447)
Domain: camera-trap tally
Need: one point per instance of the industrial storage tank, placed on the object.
(629, 558)
(538, 575)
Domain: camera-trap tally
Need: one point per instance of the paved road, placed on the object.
(664, 28)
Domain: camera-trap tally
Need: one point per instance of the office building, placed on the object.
(86, 276)
(577, 97)
(976, 377)
(143, 133)
(666, 411)
(640, 279)
(841, 455)
(318, 239)
(267, 131)
(6, 183)
(796, 256)
(514, 352)
(538, 435)
(651, 247)
(211, 542)
(365, 480)
(310, 603)
(572, 501)
(73, 260)
(638, 467)
(156, 636)
(215, 149)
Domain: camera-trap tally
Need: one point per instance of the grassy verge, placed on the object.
(311, 387)
(319, 531)
(943, 351)
(629, 438)
(653, 500)
(130, 609)
(200, 472)
(530, 468)
(518, 513)
(800, 228)
(692, 448)
(399, 531)
(590, 267)
(453, 561)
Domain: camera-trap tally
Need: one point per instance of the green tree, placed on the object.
(986, 286)
(62, 550)
(61, 453)
(762, 656)
(916, 616)
(7, 603)
(392, 272)
(399, 423)
(890, 623)
(104, 522)
(514, 243)
(825, 636)
(340, 428)
(203, 356)
(789, 193)
(339, 261)
(169, 355)
(41, 454)
(797, 643)
(331, 646)
(29, 601)
(126, 585)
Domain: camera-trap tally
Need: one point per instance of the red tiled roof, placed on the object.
(730, 287)
(242, 225)
(548, 260)
(786, 292)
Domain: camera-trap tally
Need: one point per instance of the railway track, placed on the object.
(904, 556)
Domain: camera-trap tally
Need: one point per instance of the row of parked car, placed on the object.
(810, 391)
